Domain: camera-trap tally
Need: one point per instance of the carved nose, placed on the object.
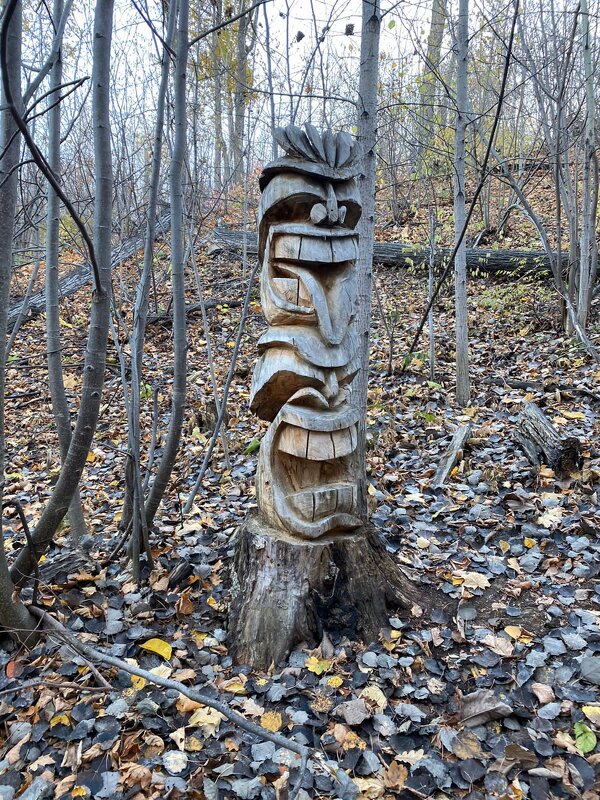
(331, 387)
(328, 213)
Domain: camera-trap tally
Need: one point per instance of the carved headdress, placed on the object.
(334, 156)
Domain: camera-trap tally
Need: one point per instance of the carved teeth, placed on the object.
(314, 249)
(317, 445)
(314, 504)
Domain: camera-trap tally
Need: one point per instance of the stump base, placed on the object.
(286, 591)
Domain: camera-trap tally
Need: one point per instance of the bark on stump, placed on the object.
(287, 592)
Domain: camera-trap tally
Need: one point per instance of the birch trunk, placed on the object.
(13, 614)
(60, 404)
(95, 357)
(460, 264)
(167, 461)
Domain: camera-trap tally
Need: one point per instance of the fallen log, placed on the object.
(543, 444)
(398, 254)
(192, 309)
(81, 276)
(453, 453)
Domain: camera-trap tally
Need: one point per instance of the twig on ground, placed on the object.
(91, 653)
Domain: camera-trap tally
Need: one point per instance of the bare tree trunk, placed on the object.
(270, 81)
(218, 99)
(588, 247)
(13, 614)
(60, 404)
(460, 264)
(169, 454)
(428, 82)
(134, 497)
(367, 137)
(95, 357)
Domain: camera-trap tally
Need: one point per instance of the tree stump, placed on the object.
(287, 592)
(542, 443)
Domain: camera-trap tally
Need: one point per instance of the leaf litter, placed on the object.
(493, 694)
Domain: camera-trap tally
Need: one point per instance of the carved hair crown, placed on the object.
(334, 156)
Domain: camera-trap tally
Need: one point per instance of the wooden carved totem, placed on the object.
(307, 472)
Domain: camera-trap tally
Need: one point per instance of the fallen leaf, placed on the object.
(585, 737)
(206, 718)
(158, 646)
(374, 695)
(317, 665)
(482, 706)
(271, 721)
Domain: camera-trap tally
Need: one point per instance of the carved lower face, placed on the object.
(308, 472)
(307, 468)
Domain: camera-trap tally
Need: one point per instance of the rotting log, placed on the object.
(81, 276)
(398, 254)
(543, 444)
(453, 453)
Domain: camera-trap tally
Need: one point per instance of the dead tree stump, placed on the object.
(287, 592)
(543, 444)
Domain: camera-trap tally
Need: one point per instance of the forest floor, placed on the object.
(492, 695)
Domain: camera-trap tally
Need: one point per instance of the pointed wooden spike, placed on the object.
(329, 145)
(281, 138)
(300, 142)
(314, 137)
(344, 148)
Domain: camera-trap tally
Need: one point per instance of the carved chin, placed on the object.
(309, 474)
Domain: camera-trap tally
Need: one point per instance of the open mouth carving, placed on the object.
(307, 466)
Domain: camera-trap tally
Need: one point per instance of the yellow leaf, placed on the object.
(158, 646)
(504, 546)
(64, 323)
(592, 713)
(271, 721)
(138, 682)
(335, 681)
(79, 791)
(193, 744)
(513, 631)
(573, 414)
(60, 719)
(317, 665)
(471, 580)
(375, 695)
(199, 637)
(185, 705)
(371, 489)
(91, 457)
(529, 542)
(235, 685)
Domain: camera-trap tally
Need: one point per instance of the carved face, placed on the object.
(306, 481)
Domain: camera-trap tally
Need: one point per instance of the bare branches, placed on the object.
(36, 154)
(478, 190)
